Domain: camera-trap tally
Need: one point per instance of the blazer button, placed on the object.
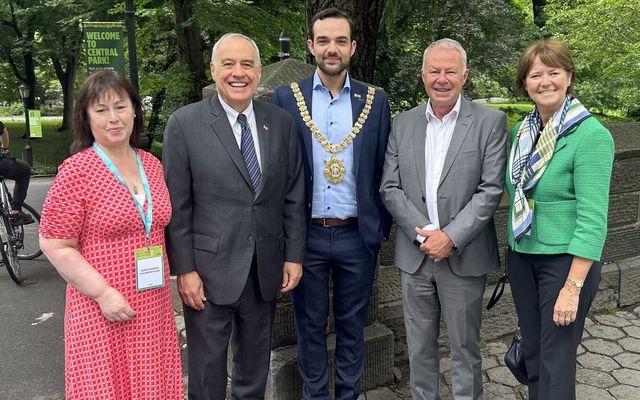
(250, 239)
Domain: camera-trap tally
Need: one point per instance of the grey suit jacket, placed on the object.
(218, 221)
(470, 187)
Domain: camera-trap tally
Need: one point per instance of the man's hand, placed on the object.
(291, 274)
(114, 306)
(437, 245)
(191, 290)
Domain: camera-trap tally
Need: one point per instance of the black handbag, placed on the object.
(514, 359)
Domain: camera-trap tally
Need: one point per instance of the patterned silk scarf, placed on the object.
(527, 164)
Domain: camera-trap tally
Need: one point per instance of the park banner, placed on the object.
(104, 44)
(35, 124)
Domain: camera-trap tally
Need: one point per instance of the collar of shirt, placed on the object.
(232, 116)
(452, 115)
(319, 86)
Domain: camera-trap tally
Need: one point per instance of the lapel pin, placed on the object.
(265, 127)
(357, 95)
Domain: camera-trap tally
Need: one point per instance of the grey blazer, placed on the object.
(218, 222)
(470, 187)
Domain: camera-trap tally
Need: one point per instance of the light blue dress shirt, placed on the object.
(334, 119)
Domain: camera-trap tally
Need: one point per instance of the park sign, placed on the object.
(35, 124)
(104, 44)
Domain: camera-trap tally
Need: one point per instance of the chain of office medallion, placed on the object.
(324, 142)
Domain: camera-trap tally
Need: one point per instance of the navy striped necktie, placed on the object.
(248, 151)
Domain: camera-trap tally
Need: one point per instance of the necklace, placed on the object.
(334, 169)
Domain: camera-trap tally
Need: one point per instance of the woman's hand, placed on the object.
(566, 308)
(114, 306)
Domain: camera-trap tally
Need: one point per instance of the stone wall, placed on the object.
(620, 285)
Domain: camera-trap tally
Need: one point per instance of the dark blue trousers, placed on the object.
(340, 253)
(550, 350)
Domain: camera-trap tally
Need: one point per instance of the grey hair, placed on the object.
(446, 43)
(230, 35)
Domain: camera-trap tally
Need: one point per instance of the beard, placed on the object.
(332, 70)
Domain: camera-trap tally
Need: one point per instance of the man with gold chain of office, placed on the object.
(343, 127)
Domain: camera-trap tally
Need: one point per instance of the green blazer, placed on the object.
(571, 199)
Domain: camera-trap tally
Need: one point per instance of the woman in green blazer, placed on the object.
(557, 178)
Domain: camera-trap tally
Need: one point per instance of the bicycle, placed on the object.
(19, 242)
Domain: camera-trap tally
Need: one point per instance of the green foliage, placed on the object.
(493, 32)
(484, 86)
(515, 112)
(261, 20)
(604, 36)
(160, 72)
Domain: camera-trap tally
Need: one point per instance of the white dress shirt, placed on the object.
(232, 116)
(439, 133)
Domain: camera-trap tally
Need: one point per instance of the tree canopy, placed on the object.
(41, 44)
(604, 36)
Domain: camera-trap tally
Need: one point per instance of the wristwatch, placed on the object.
(578, 284)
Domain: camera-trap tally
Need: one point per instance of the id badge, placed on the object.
(149, 268)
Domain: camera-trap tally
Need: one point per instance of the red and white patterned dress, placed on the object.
(136, 359)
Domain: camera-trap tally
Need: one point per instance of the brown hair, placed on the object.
(553, 53)
(330, 13)
(94, 87)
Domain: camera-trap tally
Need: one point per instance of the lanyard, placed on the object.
(147, 219)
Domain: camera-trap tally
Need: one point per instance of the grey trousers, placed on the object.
(434, 290)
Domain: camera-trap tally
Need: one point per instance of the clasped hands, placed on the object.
(437, 244)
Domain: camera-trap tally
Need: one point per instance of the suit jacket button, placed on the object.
(250, 239)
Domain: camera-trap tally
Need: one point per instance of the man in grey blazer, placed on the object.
(237, 235)
(442, 181)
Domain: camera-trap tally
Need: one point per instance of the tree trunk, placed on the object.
(539, 17)
(366, 16)
(190, 48)
(66, 79)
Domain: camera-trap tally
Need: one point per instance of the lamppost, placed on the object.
(285, 44)
(25, 91)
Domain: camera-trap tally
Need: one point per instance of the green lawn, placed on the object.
(48, 152)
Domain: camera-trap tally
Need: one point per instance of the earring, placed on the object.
(134, 115)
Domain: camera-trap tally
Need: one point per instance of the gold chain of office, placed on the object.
(334, 169)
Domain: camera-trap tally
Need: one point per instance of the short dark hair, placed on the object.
(552, 53)
(330, 13)
(94, 87)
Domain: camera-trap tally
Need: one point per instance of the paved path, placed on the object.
(608, 364)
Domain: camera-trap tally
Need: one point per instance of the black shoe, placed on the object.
(21, 219)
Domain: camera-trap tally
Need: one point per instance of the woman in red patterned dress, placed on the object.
(103, 229)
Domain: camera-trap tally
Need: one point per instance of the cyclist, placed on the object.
(20, 172)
